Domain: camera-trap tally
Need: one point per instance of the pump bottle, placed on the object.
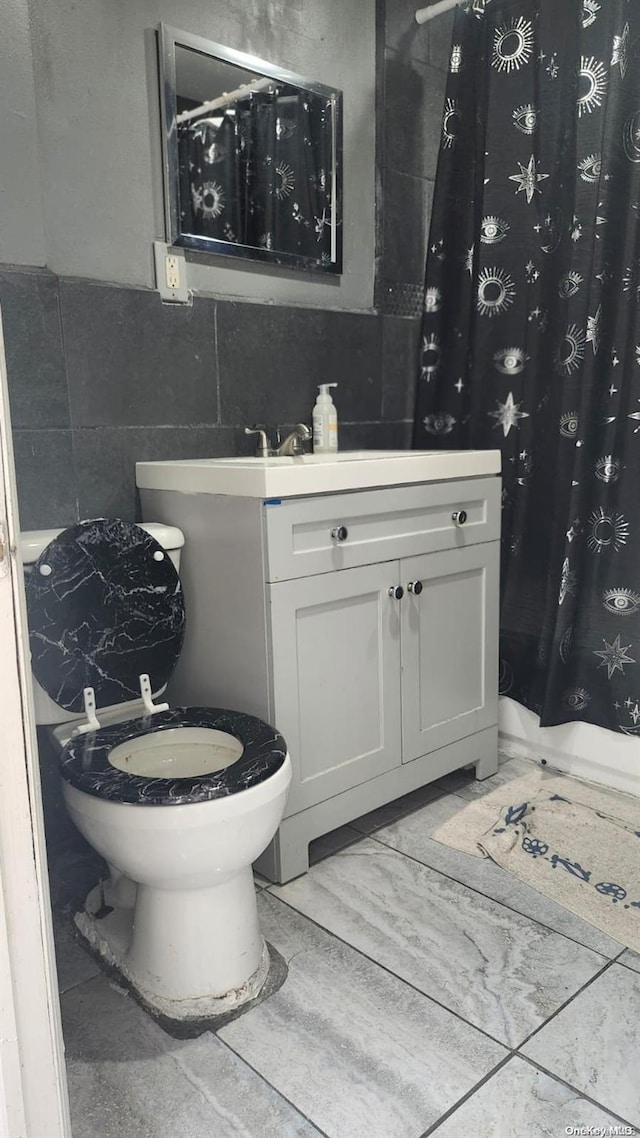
(325, 422)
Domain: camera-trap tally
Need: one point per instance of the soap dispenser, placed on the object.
(325, 422)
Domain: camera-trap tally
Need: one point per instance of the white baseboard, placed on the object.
(578, 749)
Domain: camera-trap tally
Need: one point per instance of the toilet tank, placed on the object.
(32, 544)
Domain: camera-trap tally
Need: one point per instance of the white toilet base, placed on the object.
(210, 959)
(178, 918)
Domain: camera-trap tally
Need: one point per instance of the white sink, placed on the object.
(305, 459)
(284, 477)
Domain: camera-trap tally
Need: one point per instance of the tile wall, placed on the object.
(411, 69)
(101, 376)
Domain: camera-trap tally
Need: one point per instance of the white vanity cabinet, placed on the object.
(449, 643)
(362, 624)
(335, 642)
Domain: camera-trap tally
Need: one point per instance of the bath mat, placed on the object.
(574, 842)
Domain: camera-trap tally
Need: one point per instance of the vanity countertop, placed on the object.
(281, 477)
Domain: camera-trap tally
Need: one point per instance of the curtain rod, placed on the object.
(224, 100)
(423, 15)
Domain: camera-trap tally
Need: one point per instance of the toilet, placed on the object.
(178, 801)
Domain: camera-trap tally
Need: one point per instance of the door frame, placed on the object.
(33, 1084)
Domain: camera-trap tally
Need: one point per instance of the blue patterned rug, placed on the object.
(574, 842)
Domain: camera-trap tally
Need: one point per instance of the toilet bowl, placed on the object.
(179, 802)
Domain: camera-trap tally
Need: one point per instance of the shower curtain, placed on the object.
(260, 174)
(531, 335)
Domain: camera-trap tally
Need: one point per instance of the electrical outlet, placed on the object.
(171, 273)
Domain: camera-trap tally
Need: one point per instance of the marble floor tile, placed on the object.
(630, 959)
(408, 803)
(383, 816)
(128, 1079)
(353, 1048)
(413, 836)
(73, 962)
(497, 969)
(507, 771)
(330, 843)
(593, 1043)
(520, 1100)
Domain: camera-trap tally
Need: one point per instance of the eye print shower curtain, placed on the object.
(531, 334)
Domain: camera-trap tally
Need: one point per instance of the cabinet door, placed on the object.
(449, 647)
(336, 678)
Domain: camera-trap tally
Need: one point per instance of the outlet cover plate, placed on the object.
(180, 295)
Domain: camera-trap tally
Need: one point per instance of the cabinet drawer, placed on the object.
(380, 525)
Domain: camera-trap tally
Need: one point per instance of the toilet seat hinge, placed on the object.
(147, 698)
(93, 723)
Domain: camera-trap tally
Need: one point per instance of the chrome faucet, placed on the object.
(294, 442)
(264, 448)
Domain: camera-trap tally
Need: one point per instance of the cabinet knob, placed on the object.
(397, 592)
(339, 533)
(459, 517)
(415, 587)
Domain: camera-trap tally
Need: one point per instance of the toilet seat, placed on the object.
(85, 760)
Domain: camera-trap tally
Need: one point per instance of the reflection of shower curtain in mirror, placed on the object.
(260, 174)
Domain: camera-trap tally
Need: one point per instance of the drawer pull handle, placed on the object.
(415, 587)
(459, 517)
(339, 533)
(396, 591)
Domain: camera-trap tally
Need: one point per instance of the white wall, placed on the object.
(21, 219)
(98, 135)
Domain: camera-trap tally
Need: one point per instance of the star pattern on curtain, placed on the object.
(531, 334)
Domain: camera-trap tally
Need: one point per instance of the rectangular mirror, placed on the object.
(251, 156)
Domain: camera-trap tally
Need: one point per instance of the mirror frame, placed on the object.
(168, 38)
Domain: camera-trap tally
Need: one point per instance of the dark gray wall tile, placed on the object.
(46, 477)
(413, 103)
(59, 828)
(440, 40)
(74, 869)
(271, 360)
(430, 42)
(401, 30)
(133, 361)
(33, 342)
(407, 214)
(375, 436)
(106, 459)
(396, 298)
(400, 344)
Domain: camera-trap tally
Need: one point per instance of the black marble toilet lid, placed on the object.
(105, 606)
